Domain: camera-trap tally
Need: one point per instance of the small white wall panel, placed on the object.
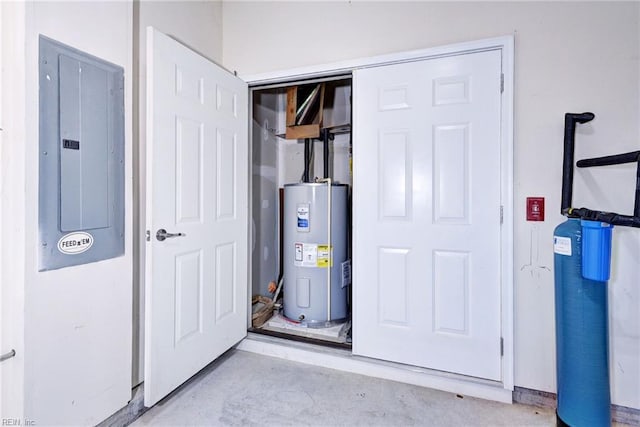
(188, 290)
(189, 149)
(395, 178)
(392, 286)
(451, 292)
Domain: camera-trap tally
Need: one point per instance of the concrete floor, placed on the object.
(248, 389)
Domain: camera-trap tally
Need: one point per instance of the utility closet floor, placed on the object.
(248, 389)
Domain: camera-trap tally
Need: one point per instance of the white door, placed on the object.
(197, 157)
(427, 227)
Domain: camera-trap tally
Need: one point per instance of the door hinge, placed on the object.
(501, 346)
(501, 215)
(148, 236)
(502, 83)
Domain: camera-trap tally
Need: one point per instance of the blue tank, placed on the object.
(582, 360)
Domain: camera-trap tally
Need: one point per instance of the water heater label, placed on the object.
(323, 256)
(303, 217)
(562, 245)
(299, 248)
(312, 255)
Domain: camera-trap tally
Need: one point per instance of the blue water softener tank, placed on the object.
(582, 364)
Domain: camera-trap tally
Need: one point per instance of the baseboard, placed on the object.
(543, 399)
(129, 413)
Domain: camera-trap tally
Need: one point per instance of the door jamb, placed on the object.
(506, 45)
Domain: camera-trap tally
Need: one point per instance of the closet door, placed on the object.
(427, 226)
(197, 211)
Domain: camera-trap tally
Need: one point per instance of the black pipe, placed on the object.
(608, 217)
(570, 120)
(305, 174)
(636, 205)
(617, 159)
(325, 152)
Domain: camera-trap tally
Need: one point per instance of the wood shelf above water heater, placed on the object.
(305, 104)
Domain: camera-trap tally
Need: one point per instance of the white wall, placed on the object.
(12, 208)
(570, 57)
(197, 24)
(76, 351)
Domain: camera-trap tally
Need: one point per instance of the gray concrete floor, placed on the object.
(248, 389)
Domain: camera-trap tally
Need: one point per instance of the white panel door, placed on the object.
(197, 154)
(427, 227)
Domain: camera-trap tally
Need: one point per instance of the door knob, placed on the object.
(7, 356)
(162, 235)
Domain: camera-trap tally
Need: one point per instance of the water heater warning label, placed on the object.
(562, 245)
(323, 256)
(312, 255)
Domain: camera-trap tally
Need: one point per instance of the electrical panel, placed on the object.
(81, 157)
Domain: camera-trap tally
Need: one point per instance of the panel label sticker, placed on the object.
(70, 144)
(323, 256)
(299, 249)
(303, 217)
(312, 255)
(306, 255)
(562, 245)
(75, 243)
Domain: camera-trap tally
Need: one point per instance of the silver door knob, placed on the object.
(162, 235)
(7, 356)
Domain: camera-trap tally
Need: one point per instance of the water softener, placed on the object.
(582, 259)
(581, 334)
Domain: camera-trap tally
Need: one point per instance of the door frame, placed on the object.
(506, 45)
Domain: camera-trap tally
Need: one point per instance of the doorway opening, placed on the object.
(300, 197)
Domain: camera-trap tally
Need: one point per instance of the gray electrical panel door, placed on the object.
(81, 185)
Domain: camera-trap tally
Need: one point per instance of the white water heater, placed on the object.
(315, 292)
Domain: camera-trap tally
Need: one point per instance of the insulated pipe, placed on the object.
(305, 175)
(570, 120)
(278, 289)
(329, 257)
(325, 152)
(616, 159)
(636, 205)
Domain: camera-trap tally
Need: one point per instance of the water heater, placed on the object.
(316, 267)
